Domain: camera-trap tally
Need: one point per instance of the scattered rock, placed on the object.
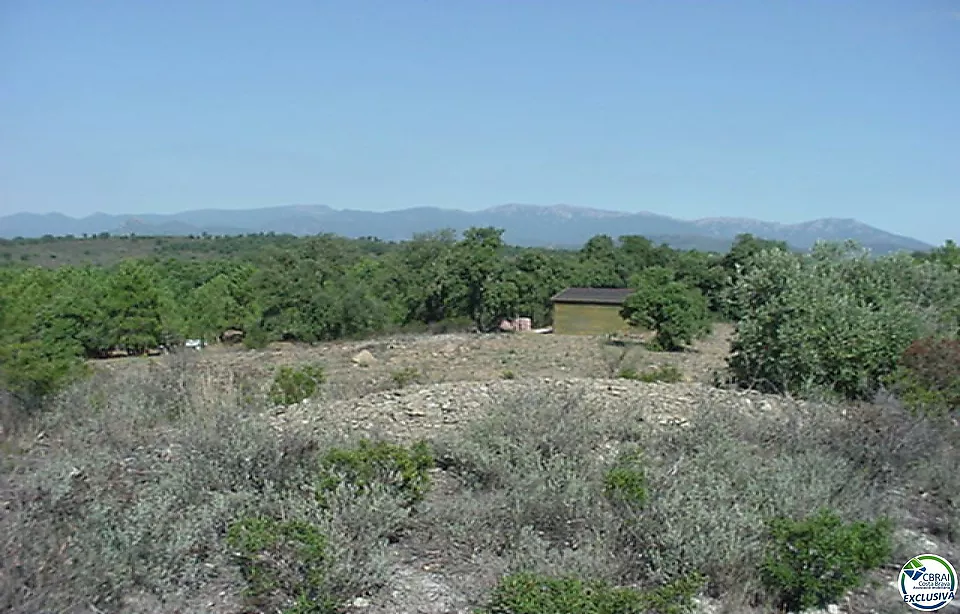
(364, 358)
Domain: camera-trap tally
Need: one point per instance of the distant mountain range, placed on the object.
(530, 225)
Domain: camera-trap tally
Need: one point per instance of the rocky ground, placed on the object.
(358, 368)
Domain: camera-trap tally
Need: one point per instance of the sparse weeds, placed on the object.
(670, 374)
(406, 376)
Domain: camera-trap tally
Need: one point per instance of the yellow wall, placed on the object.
(585, 319)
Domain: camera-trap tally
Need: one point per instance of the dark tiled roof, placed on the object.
(600, 296)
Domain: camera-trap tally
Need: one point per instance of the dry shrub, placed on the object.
(532, 474)
(122, 503)
(533, 490)
(715, 485)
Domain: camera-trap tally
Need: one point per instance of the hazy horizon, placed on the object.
(776, 112)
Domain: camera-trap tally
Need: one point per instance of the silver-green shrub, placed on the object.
(836, 320)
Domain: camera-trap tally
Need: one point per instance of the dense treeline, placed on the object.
(327, 287)
(311, 289)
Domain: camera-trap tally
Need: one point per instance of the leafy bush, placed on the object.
(815, 560)
(294, 384)
(927, 379)
(835, 321)
(256, 337)
(406, 376)
(527, 593)
(626, 483)
(664, 373)
(676, 312)
(403, 470)
(508, 374)
(280, 560)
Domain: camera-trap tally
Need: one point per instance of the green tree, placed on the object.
(478, 264)
(599, 264)
(425, 272)
(676, 312)
(132, 306)
(75, 314)
(223, 302)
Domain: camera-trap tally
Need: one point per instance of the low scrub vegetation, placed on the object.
(153, 490)
(526, 593)
(280, 559)
(406, 376)
(814, 561)
(403, 470)
(294, 384)
(634, 506)
(670, 374)
(164, 487)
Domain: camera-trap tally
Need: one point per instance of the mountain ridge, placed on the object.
(523, 224)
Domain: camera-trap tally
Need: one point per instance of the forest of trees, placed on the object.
(326, 287)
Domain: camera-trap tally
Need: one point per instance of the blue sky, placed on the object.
(783, 111)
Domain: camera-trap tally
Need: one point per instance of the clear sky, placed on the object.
(782, 111)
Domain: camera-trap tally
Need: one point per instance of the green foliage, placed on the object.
(927, 378)
(221, 303)
(132, 307)
(948, 255)
(406, 376)
(404, 471)
(294, 384)
(746, 253)
(508, 374)
(282, 561)
(676, 312)
(664, 373)
(527, 593)
(626, 483)
(835, 321)
(477, 264)
(815, 560)
(34, 370)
